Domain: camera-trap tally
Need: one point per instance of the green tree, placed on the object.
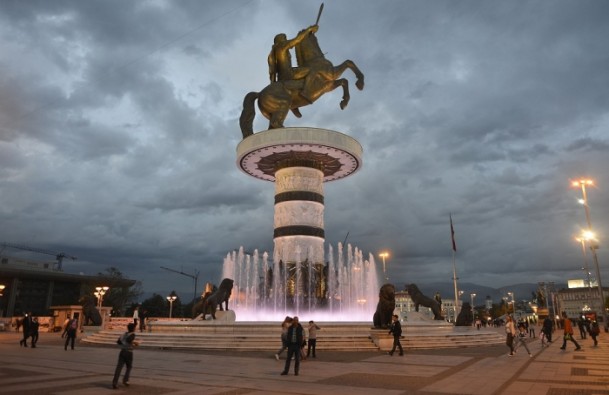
(155, 306)
(119, 296)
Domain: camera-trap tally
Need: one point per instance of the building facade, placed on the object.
(579, 301)
(31, 286)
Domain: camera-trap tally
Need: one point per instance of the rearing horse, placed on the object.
(277, 98)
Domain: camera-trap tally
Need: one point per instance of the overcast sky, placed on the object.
(119, 124)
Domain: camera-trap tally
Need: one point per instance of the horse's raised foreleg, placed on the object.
(348, 64)
(346, 97)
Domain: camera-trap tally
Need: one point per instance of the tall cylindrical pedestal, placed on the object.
(299, 214)
(299, 161)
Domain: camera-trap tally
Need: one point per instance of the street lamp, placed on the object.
(582, 240)
(473, 295)
(384, 255)
(584, 201)
(171, 298)
(99, 293)
(513, 305)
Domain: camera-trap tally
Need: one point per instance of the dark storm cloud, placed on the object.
(119, 122)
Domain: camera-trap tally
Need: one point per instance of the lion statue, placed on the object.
(421, 300)
(465, 317)
(90, 312)
(209, 303)
(198, 307)
(385, 307)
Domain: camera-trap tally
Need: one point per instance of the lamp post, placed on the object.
(584, 201)
(99, 294)
(473, 295)
(513, 304)
(582, 240)
(171, 298)
(459, 294)
(384, 255)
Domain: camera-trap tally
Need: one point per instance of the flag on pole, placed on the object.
(452, 233)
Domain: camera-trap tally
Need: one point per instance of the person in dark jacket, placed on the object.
(70, 333)
(125, 357)
(294, 341)
(547, 328)
(34, 331)
(396, 329)
(27, 327)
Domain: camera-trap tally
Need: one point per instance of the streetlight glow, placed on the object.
(171, 298)
(384, 255)
(99, 294)
(590, 236)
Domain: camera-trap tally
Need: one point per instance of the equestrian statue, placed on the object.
(295, 87)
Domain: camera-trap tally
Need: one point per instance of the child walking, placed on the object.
(521, 338)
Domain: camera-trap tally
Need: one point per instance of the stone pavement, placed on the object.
(48, 369)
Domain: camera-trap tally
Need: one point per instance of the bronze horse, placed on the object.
(277, 98)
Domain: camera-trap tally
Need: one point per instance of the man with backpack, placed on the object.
(70, 333)
(125, 357)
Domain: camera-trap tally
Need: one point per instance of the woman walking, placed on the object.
(510, 333)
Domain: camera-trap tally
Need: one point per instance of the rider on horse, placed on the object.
(280, 62)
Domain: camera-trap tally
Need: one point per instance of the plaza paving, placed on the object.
(48, 369)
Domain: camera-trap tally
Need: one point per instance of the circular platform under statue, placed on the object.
(262, 154)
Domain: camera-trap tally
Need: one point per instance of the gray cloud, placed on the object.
(119, 122)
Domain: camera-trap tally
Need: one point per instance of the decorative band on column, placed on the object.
(298, 160)
(299, 195)
(298, 230)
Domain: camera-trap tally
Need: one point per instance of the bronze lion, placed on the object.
(210, 301)
(385, 307)
(421, 300)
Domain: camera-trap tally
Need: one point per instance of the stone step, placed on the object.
(266, 336)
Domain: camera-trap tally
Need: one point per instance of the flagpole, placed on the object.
(455, 284)
(454, 248)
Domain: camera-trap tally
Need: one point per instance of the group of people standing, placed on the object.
(293, 339)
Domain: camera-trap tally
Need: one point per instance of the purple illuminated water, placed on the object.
(352, 286)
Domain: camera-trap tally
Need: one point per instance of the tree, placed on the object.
(119, 296)
(155, 306)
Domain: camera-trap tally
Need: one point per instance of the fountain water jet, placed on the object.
(341, 290)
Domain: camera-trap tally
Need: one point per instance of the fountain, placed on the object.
(342, 289)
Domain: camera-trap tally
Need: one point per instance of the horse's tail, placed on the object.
(246, 121)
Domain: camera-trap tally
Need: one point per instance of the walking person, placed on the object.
(34, 331)
(396, 330)
(285, 325)
(510, 333)
(136, 315)
(521, 338)
(568, 333)
(70, 333)
(544, 340)
(531, 329)
(581, 325)
(27, 325)
(594, 330)
(127, 342)
(313, 328)
(547, 328)
(142, 314)
(294, 340)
